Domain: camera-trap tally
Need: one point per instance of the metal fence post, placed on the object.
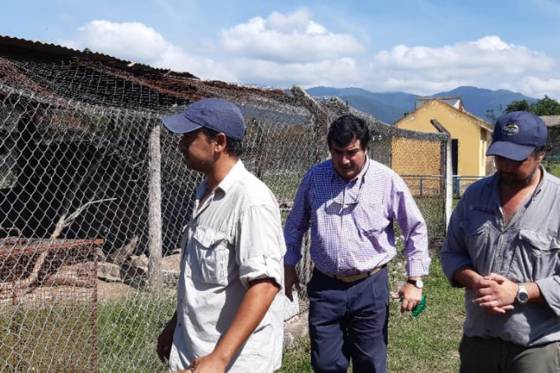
(320, 120)
(155, 221)
(447, 172)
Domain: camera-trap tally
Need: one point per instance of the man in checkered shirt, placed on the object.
(350, 203)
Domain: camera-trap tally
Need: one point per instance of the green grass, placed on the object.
(429, 343)
(47, 339)
(552, 167)
(61, 338)
(284, 186)
(297, 359)
(128, 332)
(426, 344)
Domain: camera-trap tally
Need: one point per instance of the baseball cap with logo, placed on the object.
(212, 113)
(516, 135)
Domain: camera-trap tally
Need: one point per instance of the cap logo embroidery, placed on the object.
(511, 129)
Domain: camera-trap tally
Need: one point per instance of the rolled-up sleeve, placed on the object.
(297, 223)
(413, 227)
(454, 254)
(260, 245)
(550, 290)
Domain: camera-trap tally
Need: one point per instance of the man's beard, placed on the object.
(512, 182)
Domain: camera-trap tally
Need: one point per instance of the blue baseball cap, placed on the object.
(212, 113)
(516, 135)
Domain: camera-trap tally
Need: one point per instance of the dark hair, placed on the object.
(233, 146)
(347, 127)
(541, 149)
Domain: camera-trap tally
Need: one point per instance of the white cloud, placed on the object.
(340, 72)
(288, 38)
(541, 86)
(137, 42)
(284, 49)
(486, 54)
(488, 62)
(425, 87)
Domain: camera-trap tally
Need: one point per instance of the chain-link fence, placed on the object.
(93, 197)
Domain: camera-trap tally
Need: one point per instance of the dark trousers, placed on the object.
(493, 355)
(348, 321)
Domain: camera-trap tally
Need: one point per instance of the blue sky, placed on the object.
(417, 46)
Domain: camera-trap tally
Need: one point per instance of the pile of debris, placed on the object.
(27, 264)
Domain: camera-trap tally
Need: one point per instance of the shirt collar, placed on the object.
(234, 174)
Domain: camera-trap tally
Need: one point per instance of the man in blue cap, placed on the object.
(228, 317)
(503, 246)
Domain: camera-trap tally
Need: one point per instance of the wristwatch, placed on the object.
(418, 283)
(522, 296)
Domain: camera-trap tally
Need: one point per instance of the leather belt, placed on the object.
(356, 277)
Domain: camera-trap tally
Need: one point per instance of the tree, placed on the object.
(546, 106)
(521, 105)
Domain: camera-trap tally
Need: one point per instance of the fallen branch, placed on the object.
(65, 221)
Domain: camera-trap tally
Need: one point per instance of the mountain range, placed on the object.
(391, 106)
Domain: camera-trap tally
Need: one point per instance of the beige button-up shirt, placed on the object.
(234, 237)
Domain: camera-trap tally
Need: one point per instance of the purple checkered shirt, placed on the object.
(352, 221)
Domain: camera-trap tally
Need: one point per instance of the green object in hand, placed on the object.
(420, 307)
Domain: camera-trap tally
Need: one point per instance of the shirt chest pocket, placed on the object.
(479, 243)
(210, 258)
(541, 250)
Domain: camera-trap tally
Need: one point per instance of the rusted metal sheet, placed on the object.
(13, 246)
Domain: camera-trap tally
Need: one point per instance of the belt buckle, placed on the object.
(359, 276)
(353, 278)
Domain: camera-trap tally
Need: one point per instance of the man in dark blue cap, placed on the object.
(229, 314)
(503, 247)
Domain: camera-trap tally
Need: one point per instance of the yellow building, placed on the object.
(470, 135)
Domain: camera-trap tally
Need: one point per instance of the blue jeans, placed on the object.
(348, 321)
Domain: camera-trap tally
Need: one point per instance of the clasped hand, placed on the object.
(495, 293)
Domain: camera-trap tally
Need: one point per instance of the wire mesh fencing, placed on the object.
(94, 195)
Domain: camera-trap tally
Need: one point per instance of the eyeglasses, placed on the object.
(346, 200)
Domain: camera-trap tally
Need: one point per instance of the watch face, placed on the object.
(522, 295)
(418, 283)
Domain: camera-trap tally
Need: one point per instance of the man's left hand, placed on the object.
(500, 293)
(209, 364)
(410, 297)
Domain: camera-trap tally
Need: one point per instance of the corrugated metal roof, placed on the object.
(58, 72)
(38, 51)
